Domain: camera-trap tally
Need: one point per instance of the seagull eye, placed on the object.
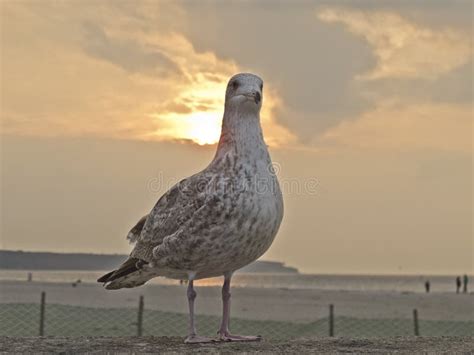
(235, 84)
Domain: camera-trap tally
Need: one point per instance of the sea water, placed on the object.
(389, 283)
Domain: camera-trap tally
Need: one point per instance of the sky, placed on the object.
(367, 110)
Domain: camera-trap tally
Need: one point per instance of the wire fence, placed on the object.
(43, 319)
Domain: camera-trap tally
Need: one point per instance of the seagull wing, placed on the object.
(176, 225)
(170, 235)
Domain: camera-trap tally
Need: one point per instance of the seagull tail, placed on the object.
(130, 274)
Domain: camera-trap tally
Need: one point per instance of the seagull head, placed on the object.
(244, 92)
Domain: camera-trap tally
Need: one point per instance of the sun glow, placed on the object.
(196, 114)
(200, 127)
(193, 106)
(204, 127)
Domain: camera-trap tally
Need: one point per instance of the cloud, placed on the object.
(130, 71)
(127, 54)
(455, 87)
(112, 72)
(402, 127)
(304, 59)
(420, 85)
(403, 49)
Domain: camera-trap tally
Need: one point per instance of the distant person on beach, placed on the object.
(458, 284)
(464, 286)
(30, 277)
(427, 286)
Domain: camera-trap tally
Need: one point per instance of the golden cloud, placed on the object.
(403, 49)
(126, 78)
(203, 93)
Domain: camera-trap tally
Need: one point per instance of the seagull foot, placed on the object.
(231, 337)
(195, 339)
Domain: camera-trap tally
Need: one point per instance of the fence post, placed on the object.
(42, 307)
(331, 320)
(415, 322)
(140, 317)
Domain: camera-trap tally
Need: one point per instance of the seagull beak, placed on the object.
(255, 95)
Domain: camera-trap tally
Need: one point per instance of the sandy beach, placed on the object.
(252, 303)
(88, 318)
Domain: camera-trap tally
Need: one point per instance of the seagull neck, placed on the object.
(241, 134)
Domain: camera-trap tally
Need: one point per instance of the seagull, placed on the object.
(216, 221)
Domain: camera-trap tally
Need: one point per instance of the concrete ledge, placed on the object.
(175, 345)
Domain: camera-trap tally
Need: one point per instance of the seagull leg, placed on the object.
(224, 333)
(192, 336)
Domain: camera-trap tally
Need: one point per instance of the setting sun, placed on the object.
(196, 114)
(200, 127)
(204, 127)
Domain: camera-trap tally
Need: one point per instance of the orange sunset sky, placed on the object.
(367, 112)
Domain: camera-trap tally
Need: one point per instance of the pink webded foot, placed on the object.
(226, 336)
(196, 339)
